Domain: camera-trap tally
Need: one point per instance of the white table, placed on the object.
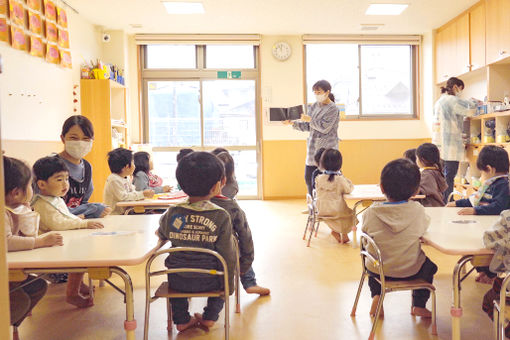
(460, 235)
(365, 195)
(85, 251)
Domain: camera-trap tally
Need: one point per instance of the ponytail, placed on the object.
(325, 86)
(450, 83)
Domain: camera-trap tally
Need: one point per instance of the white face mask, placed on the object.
(320, 97)
(459, 93)
(78, 148)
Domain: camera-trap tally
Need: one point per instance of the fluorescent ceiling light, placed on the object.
(178, 7)
(385, 9)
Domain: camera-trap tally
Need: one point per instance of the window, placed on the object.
(368, 80)
(188, 103)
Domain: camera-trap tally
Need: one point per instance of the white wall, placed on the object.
(282, 85)
(40, 115)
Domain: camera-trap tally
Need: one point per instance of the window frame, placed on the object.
(415, 50)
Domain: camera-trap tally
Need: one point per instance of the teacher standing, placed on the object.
(449, 113)
(322, 122)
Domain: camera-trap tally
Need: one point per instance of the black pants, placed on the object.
(22, 300)
(420, 296)
(309, 169)
(450, 171)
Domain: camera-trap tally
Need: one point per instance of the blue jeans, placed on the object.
(90, 210)
(180, 314)
(248, 279)
(450, 171)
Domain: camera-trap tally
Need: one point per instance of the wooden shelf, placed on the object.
(505, 113)
(484, 144)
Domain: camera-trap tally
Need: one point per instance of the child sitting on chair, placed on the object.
(201, 224)
(118, 187)
(433, 183)
(319, 170)
(330, 186)
(396, 227)
(494, 195)
(144, 178)
(52, 179)
(241, 231)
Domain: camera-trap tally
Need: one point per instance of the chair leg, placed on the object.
(434, 324)
(306, 226)
(169, 322)
(238, 288)
(355, 306)
(311, 231)
(227, 318)
(377, 313)
(495, 321)
(15, 335)
(317, 229)
(147, 312)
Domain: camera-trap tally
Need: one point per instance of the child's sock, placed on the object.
(258, 290)
(84, 289)
(373, 308)
(204, 322)
(420, 311)
(193, 322)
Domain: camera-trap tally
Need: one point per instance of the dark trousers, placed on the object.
(248, 279)
(450, 171)
(180, 306)
(22, 300)
(420, 296)
(309, 169)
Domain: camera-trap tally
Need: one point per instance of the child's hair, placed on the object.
(218, 151)
(400, 179)
(331, 160)
(46, 167)
(325, 86)
(410, 154)
(228, 163)
(198, 172)
(83, 122)
(495, 156)
(142, 161)
(429, 155)
(450, 83)
(118, 159)
(318, 155)
(16, 174)
(182, 153)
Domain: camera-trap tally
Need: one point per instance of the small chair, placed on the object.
(387, 286)
(501, 313)
(164, 291)
(312, 218)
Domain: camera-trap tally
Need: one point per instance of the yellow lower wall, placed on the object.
(284, 162)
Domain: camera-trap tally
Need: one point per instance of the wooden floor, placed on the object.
(312, 292)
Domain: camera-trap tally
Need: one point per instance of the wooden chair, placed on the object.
(164, 291)
(501, 312)
(376, 261)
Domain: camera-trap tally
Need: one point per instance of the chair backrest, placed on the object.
(370, 253)
(224, 272)
(309, 204)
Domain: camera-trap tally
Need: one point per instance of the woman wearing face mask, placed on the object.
(77, 136)
(322, 122)
(449, 113)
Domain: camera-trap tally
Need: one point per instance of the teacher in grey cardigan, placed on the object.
(322, 122)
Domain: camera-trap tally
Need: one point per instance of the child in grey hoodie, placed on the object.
(396, 227)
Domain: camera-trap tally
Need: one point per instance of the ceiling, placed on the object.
(276, 17)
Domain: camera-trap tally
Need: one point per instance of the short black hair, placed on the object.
(141, 159)
(83, 122)
(410, 154)
(182, 153)
(331, 160)
(495, 156)
(400, 179)
(218, 151)
(228, 163)
(46, 167)
(118, 159)
(17, 174)
(318, 155)
(198, 172)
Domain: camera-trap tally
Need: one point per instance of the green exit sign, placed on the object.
(229, 74)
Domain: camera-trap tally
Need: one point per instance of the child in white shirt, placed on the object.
(118, 187)
(52, 179)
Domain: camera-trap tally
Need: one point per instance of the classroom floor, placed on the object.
(312, 292)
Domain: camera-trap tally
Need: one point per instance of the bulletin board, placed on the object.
(39, 27)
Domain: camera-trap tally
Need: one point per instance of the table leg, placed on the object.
(456, 309)
(130, 323)
(354, 237)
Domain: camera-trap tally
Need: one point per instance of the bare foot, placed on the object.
(483, 278)
(345, 238)
(85, 290)
(204, 322)
(480, 277)
(423, 312)
(336, 236)
(80, 301)
(258, 290)
(373, 308)
(193, 322)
